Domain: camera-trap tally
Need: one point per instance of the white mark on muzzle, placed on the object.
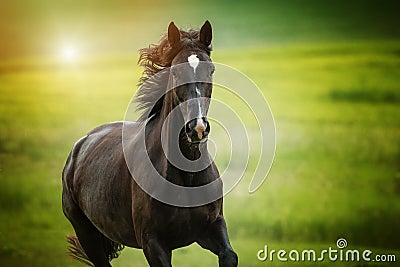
(200, 128)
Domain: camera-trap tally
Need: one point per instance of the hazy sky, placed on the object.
(36, 28)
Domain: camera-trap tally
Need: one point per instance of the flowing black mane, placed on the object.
(155, 59)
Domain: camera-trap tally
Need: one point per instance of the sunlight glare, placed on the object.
(68, 53)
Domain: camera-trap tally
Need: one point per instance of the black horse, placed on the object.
(105, 204)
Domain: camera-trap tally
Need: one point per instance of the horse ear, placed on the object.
(206, 33)
(174, 35)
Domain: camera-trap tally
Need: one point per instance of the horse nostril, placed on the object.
(190, 125)
(187, 128)
(206, 124)
(207, 130)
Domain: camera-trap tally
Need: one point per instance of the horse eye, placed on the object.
(212, 70)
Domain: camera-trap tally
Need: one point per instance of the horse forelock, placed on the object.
(155, 59)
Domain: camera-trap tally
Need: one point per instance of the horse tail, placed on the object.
(75, 250)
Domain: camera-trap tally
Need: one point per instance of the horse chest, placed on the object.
(187, 223)
(194, 216)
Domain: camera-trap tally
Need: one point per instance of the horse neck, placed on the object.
(175, 121)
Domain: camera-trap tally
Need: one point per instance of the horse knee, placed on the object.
(228, 258)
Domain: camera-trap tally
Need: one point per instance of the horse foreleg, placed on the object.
(156, 253)
(216, 240)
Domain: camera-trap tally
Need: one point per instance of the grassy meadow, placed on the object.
(331, 77)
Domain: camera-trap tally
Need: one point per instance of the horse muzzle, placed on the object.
(197, 130)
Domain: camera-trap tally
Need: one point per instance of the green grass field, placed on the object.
(335, 97)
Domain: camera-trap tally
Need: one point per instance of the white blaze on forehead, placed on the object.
(193, 61)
